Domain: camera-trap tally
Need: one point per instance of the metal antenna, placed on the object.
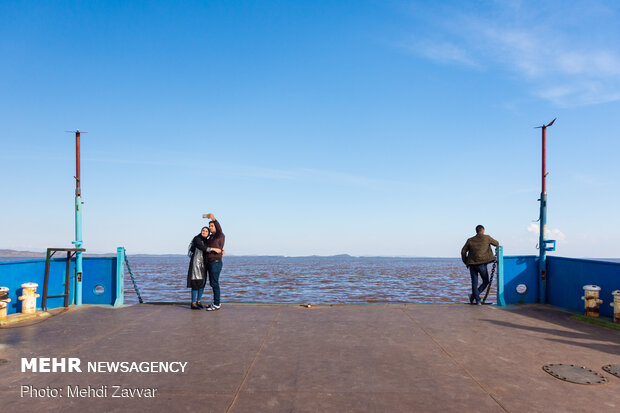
(78, 189)
(546, 126)
(544, 155)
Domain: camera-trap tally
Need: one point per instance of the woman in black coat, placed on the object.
(197, 272)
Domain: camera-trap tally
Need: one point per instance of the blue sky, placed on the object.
(311, 127)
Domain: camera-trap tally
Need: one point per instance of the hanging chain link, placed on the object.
(133, 280)
(491, 277)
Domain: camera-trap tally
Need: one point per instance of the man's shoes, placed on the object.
(213, 307)
(471, 298)
(194, 307)
(478, 303)
(199, 304)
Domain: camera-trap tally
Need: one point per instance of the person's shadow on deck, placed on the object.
(600, 338)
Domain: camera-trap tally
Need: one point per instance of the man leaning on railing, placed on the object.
(476, 254)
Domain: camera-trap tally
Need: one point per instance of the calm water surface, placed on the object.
(319, 280)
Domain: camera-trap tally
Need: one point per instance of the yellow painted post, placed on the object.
(29, 298)
(591, 300)
(4, 301)
(616, 306)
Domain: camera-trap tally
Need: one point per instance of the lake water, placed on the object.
(317, 280)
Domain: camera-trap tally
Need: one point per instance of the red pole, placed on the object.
(77, 163)
(544, 160)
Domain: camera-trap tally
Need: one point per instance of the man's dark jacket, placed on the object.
(477, 250)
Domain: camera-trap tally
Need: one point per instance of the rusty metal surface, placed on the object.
(575, 374)
(286, 358)
(612, 369)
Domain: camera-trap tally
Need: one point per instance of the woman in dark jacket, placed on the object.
(197, 272)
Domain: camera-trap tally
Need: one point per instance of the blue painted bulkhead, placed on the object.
(565, 280)
(567, 276)
(521, 270)
(97, 271)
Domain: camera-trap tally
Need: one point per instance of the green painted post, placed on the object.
(120, 277)
(500, 276)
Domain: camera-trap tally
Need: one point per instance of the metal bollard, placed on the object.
(591, 300)
(29, 298)
(616, 305)
(4, 300)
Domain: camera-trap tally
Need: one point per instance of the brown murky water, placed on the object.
(319, 280)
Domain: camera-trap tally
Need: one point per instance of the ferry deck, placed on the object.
(344, 358)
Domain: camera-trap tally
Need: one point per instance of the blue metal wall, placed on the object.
(101, 271)
(520, 270)
(565, 280)
(567, 276)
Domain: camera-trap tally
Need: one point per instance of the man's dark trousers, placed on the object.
(474, 270)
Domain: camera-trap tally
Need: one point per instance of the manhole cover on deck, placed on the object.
(612, 369)
(574, 374)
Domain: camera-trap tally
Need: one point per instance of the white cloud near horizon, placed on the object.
(566, 53)
(554, 233)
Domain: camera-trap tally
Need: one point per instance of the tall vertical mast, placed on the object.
(78, 189)
(542, 242)
(78, 221)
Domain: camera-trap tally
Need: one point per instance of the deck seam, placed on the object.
(247, 373)
(454, 360)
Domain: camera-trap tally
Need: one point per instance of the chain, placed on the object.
(133, 280)
(491, 277)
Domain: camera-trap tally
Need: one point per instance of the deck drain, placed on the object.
(5, 361)
(575, 374)
(612, 369)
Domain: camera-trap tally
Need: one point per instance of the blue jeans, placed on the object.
(474, 270)
(214, 269)
(197, 294)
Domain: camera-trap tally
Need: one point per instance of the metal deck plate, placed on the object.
(612, 369)
(575, 374)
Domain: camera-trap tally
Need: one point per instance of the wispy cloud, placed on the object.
(443, 52)
(590, 180)
(349, 179)
(568, 53)
(300, 174)
(261, 173)
(314, 175)
(554, 233)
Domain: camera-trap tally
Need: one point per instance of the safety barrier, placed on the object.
(102, 280)
(565, 280)
(567, 276)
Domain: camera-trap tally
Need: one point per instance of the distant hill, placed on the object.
(14, 253)
(156, 255)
